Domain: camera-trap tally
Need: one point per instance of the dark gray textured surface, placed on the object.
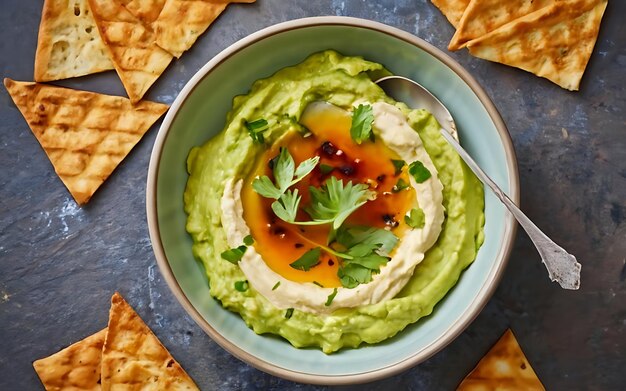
(59, 264)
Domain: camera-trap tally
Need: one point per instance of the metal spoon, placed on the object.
(562, 266)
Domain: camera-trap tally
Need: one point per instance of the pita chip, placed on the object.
(85, 134)
(76, 367)
(554, 42)
(132, 355)
(145, 10)
(137, 59)
(504, 368)
(68, 44)
(181, 22)
(452, 9)
(483, 16)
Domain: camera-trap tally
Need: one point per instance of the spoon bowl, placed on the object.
(561, 265)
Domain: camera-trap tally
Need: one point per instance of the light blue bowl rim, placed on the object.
(479, 301)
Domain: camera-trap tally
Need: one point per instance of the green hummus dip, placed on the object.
(281, 99)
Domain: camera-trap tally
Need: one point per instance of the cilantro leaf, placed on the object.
(330, 298)
(264, 186)
(334, 202)
(419, 172)
(415, 218)
(286, 207)
(398, 165)
(234, 255)
(248, 240)
(362, 120)
(399, 186)
(256, 129)
(241, 286)
(307, 260)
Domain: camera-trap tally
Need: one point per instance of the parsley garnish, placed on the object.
(330, 298)
(307, 260)
(234, 255)
(276, 285)
(241, 286)
(334, 202)
(419, 171)
(367, 249)
(399, 186)
(284, 172)
(398, 165)
(289, 313)
(415, 218)
(256, 129)
(362, 120)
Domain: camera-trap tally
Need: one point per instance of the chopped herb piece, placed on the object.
(326, 169)
(307, 260)
(248, 240)
(318, 284)
(399, 186)
(256, 129)
(419, 171)
(362, 120)
(241, 286)
(415, 218)
(289, 313)
(276, 286)
(234, 255)
(398, 165)
(331, 297)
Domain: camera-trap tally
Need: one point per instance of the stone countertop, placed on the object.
(59, 264)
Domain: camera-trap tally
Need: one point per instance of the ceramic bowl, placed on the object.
(199, 112)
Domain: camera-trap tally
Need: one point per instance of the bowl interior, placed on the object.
(199, 113)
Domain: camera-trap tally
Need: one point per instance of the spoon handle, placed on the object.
(562, 266)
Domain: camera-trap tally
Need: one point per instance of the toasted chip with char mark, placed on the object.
(554, 42)
(138, 60)
(76, 367)
(134, 358)
(68, 44)
(85, 134)
(452, 9)
(504, 368)
(181, 22)
(483, 16)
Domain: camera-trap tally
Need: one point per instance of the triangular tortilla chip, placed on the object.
(138, 60)
(85, 134)
(554, 42)
(133, 355)
(504, 368)
(76, 367)
(145, 10)
(483, 16)
(452, 9)
(181, 22)
(69, 44)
